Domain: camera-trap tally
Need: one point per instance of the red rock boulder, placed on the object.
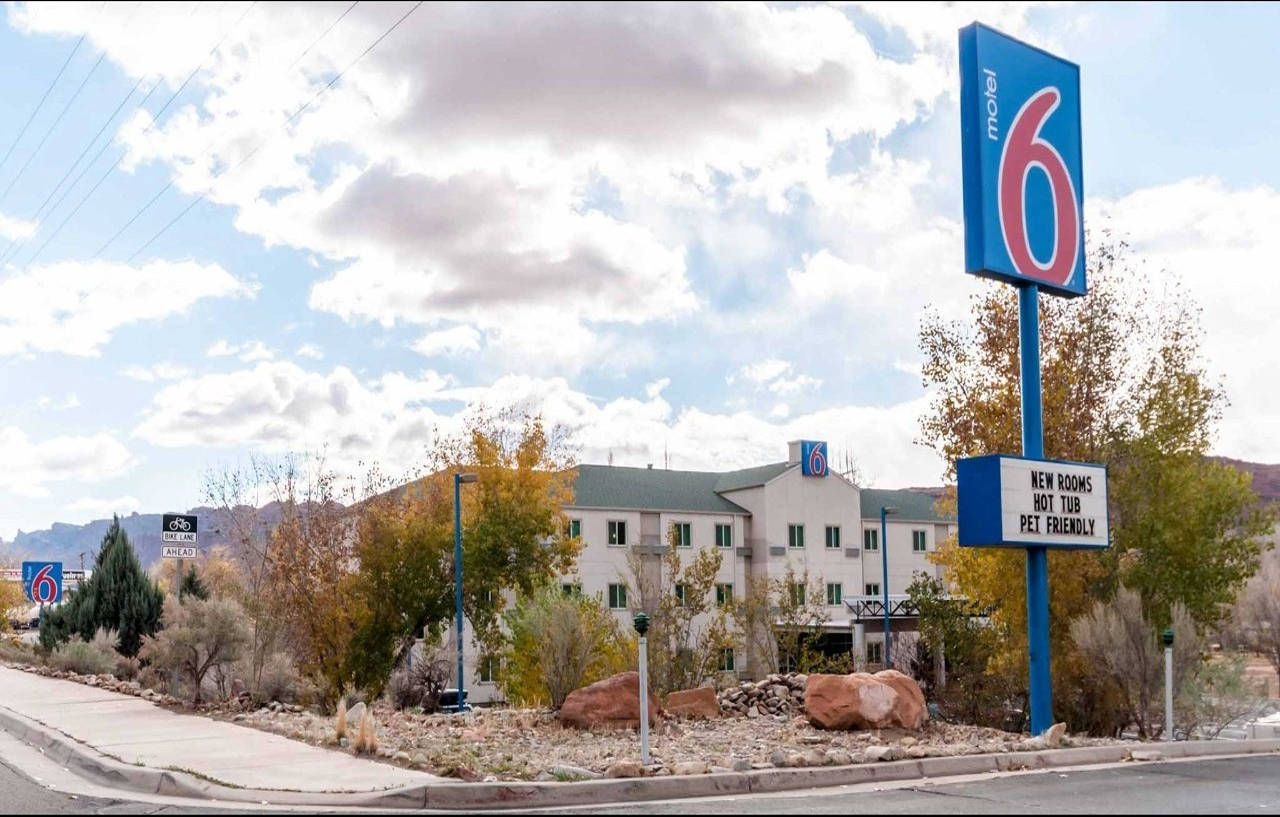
(856, 701)
(909, 711)
(694, 703)
(863, 701)
(613, 702)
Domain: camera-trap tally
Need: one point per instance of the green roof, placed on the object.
(916, 506)
(659, 489)
(749, 477)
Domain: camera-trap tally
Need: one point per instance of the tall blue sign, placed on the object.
(1024, 224)
(813, 458)
(1023, 180)
(42, 581)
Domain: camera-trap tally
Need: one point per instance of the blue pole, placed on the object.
(1037, 559)
(457, 575)
(884, 573)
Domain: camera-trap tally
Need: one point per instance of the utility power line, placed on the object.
(40, 104)
(155, 120)
(52, 127)
(207, 150)
(287, 122)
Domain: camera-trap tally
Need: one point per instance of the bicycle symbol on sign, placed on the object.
(179, 524)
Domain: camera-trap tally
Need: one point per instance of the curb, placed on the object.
(91, 764)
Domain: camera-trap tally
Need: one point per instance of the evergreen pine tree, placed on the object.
(118, 596)
(193, 585)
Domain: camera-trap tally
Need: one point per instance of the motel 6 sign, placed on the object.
(42, 581)
(813, 458)
(1023, 182)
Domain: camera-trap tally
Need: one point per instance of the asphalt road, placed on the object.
(1226, 786)
(1229, 786)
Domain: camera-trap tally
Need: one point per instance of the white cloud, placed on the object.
(74, 307)
(279, 406)
(480, 152)
(160, 371)
(29, 467)
(248, 352)
(310, 350)
(1222, 243)
(447, 342)
(771, 375)
(46, 402)
(764, 371)
(16, 229)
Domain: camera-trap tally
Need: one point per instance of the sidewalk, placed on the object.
(139, 733)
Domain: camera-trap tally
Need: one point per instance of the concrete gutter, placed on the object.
(91, 764)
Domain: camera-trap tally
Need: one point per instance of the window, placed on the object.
(680, 595)
(797, 593)
(617, 597)
(727, 663)
(487, 595)
(875, 652)
(795, 536)
(835, 594)
(488, 670)
(871, 539)
(873, 588)
(683, 535)
(617, 532)
(833, 536)
(574, 529)
(724, 536)
(571, 589)
(917, 541)
(724, 594)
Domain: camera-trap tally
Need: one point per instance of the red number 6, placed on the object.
(1024, 150)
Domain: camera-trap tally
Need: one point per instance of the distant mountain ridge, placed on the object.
(65, 543)
(72, 543)
(1266, 478)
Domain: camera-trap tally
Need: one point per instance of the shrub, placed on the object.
(126, 668)
(96, 657)
(17, 652)
(1124, 647)
(278, 681)
(420, 684)
(200, 635)
(558, 643)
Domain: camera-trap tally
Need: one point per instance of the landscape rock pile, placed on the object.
(775, 695)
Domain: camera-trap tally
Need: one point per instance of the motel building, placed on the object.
(764, 520)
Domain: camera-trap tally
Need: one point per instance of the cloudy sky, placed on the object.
(695, 229)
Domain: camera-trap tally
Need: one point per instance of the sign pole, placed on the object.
(1037, 556)
(1167, 637)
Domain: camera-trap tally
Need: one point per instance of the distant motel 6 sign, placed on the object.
(813, 458)
(1023, 183)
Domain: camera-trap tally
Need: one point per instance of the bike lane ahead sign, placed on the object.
(179, 529)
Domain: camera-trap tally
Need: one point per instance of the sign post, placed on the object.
(1024, 224)
(641, 623)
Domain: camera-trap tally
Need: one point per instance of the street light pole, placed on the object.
(1167, 638)
(884, 565)
(458, 479)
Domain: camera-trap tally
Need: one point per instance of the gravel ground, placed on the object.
(524, 744)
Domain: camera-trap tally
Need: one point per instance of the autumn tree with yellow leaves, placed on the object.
(1123, 384)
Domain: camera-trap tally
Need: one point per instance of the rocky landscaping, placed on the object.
(522, 744)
